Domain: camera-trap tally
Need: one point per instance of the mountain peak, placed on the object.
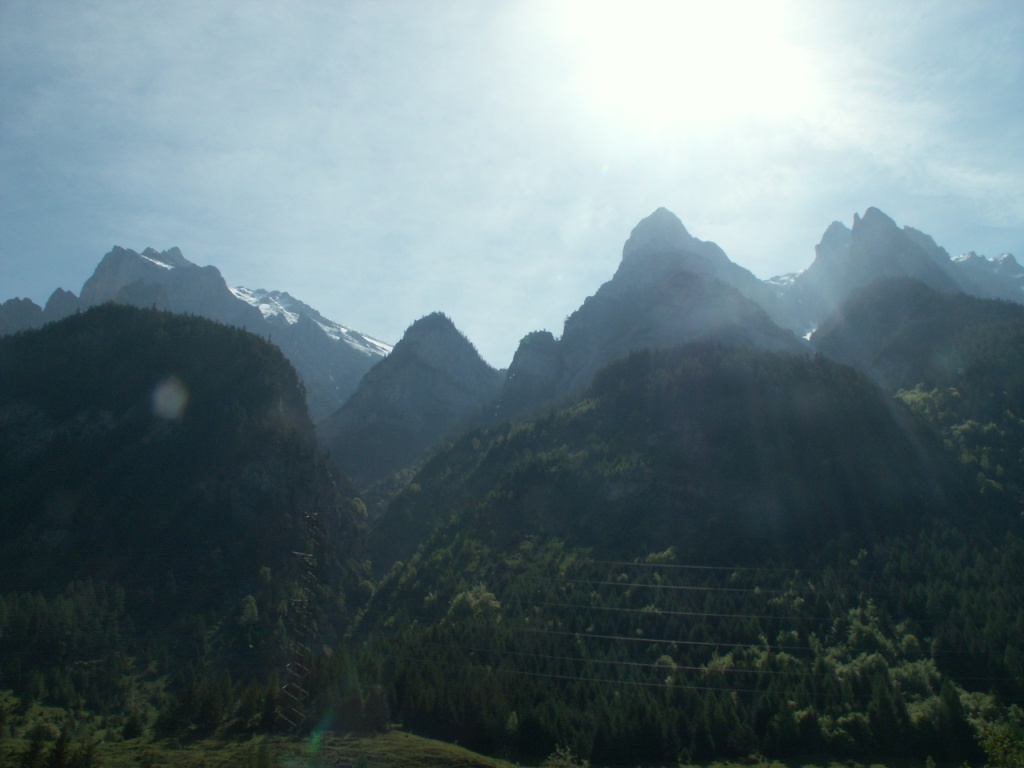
(660, 232)
(873, 220)
(433, 323)
(428, 386)
(835, 242)
(170, 258)
(435, 336)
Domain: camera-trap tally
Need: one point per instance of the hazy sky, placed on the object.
(382, 160)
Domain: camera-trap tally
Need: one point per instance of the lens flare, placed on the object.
(170, 399)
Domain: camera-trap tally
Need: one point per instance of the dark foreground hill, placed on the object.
(136, 441)
(155, 474)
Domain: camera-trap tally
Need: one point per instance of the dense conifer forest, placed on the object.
(711, 552)
(606, 578)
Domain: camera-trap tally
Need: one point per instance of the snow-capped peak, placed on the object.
(279, 306)
(968, 257)
(271, 304)
(1003, 264)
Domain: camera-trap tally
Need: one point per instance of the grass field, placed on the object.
(395, 749)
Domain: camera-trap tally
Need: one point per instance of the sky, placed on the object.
(383, 160)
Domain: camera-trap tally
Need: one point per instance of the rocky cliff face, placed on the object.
(430, 385)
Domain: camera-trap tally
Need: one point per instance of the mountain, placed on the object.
(669, 288)
(680, 559)
(999, 278)
(672, 288)
(677, 533)
(903, 333)
(330, 358)
(846, 260)
(721, 452)
(956, 360)
(157, 476)
(19, 315)
(849, 259)
(139, 441)
(430, 385)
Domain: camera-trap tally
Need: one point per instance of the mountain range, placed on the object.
(715, 517)
(330, 358)
(670, 288)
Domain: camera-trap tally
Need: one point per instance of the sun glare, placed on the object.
(664, 67)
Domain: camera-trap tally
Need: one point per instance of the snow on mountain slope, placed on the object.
(279, 307)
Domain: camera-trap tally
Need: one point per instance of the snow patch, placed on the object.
(272, 304)
(151, 260)
(783, 281)
(267, 302)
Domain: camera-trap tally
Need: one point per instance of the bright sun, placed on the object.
(664, 67)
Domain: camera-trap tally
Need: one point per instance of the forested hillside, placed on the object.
(956, 361)
(730, 454)
(155, 476)
(715, 552)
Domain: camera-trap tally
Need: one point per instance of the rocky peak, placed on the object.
(19, 315)
(1007, 264)
(971, 257)
(431, 383)
(660, 232)
(875, 237)
(873, 220)
(172, 257)
(435, 322)
(660, 244)
(533, 373)
(61, 304)
(835, 243)
(122, 267)
(435, 340)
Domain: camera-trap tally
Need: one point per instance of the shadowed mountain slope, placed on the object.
(425, 390)
(155, 449)
(725, 453)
